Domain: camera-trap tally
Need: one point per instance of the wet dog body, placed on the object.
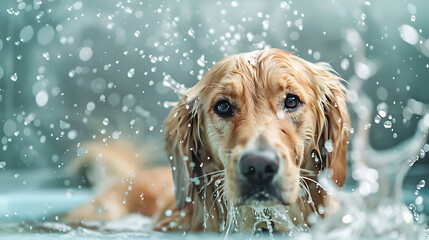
(251, 136)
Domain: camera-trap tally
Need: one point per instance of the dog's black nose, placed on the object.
(259, 167)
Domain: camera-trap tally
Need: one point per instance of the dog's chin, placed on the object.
(261, 196)
(263, 201)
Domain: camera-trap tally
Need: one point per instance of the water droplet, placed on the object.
(116, 134)
(421, 184)
(377, 119)
(105, 121)
(90, 106)
(168, 212)
(419, 200)
(72, 134)
(382, 109)
(265, 24)
(85, 54)
(14, 77)
(2, 164)
(329, 145)
(409, 34)
(347, 219)
(137, 33)
(201, 61)
(284, 5)
(129, 100)
(77, 5)
(345, 63)
(9, 127)
(46, 56)
(98, 85)
(362, 70)
(191, 32)
(217, 182)
(114, 99)
(46, 35)
(26, 33)
(131, 72)
(42, 98)
(413, 18)
(422, 153)
(387, 124)
(281, 114)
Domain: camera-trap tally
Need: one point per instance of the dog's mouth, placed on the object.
(265, 195)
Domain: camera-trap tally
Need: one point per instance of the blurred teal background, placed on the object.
(79, 71)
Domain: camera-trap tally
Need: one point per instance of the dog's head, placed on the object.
(262, 117)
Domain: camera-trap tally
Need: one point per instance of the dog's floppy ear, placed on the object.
(333, 133)
(332, 119)
(182, 142)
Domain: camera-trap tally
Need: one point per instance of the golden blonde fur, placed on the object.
(204, 149)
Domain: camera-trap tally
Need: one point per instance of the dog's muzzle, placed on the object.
(258, 170)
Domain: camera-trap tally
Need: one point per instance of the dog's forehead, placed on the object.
(253, 74)
(252, 57)
(257, 74)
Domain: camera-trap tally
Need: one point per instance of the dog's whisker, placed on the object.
(214, 172)
(219, 190)
(196, 179)
(210, 182)
(310, 199)
(314, 181)
(220, 193)
(231, 218)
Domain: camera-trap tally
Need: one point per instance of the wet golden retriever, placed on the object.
(246, 145)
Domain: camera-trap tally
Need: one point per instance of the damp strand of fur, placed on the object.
(308, 173)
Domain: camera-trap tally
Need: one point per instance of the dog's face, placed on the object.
(259, 122)
(263, 117)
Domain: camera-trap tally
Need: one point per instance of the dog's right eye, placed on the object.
(292, 102)
(223, 108)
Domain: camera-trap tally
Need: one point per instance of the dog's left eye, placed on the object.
(223, 108)
(292, 102)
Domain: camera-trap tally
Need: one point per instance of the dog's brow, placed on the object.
(230, 86)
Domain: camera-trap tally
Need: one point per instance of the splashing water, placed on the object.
(376, 209)
(364, 213)
(177, 87)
